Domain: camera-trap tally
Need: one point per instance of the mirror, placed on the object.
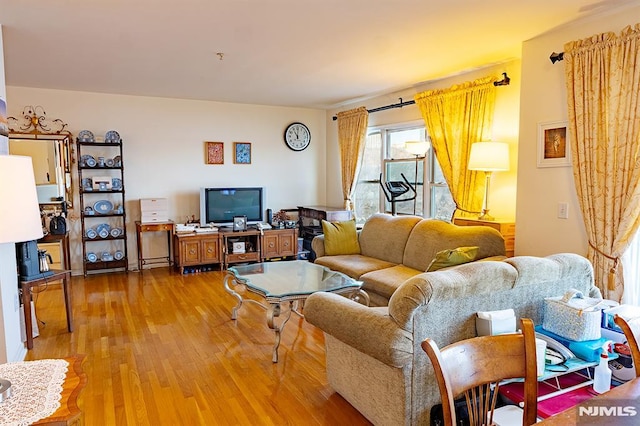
(51, 164)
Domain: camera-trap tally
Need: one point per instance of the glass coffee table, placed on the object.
(287, 282)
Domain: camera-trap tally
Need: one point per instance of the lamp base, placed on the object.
(5, 389)
(486, 216)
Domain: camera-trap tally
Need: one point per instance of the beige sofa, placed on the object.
(373, 355)
(396, 248)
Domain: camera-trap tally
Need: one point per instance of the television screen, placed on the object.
(220, 205)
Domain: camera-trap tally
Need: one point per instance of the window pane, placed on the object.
(397, 138)
(408, 168)
(442, 205)
(438, 177)
(367, 200)
(371, 167)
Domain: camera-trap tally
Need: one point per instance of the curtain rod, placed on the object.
(504, 82)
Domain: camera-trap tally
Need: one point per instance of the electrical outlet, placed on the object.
(563, 210)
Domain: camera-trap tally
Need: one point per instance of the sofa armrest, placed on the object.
(317, 245)
(369, 330)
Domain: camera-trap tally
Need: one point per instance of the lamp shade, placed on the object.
(416, 147)
(19, 210)
(489, 156)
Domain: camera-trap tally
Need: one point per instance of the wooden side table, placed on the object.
(168, 226)
(26, 286)
(74, 382)
(507, 229)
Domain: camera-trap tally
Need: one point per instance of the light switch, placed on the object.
(563, 210)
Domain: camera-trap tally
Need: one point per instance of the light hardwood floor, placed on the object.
(161, 349)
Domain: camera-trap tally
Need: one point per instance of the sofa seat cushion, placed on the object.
(385, 281)
(353, 265)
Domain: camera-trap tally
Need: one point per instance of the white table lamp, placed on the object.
(19, 212)
(488, 157)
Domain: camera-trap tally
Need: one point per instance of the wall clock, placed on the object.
(297, 136)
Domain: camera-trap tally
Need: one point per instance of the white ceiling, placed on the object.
(302, 53)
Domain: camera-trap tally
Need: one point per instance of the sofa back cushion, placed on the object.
(384, 236)
(431, 236)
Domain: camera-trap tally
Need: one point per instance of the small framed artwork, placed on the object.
(553, 144)
(214, 152)
(242, 152)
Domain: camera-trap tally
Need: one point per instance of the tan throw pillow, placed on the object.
(340, 238)
(453, 257)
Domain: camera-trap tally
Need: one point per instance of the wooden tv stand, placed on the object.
(207, 248)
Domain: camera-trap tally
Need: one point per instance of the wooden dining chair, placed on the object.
(631, 330)
(475, 367)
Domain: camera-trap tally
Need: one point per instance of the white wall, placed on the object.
(11, 346)
(163, 144)
(539, 231)
(505, 129)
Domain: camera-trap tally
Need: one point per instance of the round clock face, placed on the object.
(297, 136)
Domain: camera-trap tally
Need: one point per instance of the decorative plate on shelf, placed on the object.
(117, 161)
(102, 228)
(92, 257)
(116, 184)
(88, 211)
(91, 162)
(112, 137)
(106, 256)
(118, 255)
(91, 233)
(86, 136)
(115, 232)
(103, 207)
(109, 162)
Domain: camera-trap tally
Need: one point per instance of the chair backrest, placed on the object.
(476, 366)
(631, 330)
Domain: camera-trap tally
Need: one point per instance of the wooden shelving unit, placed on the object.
(115, 246)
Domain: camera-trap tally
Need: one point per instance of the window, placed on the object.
(385, 153)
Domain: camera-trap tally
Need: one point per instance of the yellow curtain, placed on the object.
(455, 118)
(352, 129)
(603, 87)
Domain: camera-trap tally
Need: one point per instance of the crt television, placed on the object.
(219, 205)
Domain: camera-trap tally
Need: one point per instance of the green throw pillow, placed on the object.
(340, 238)
(453, 257)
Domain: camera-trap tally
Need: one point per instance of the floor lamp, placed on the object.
(419, 149)
(488, 157)
(19, 212)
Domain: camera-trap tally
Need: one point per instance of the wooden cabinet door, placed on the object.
(270, 246)
(287, 244)
(190, 250)
(211, 250)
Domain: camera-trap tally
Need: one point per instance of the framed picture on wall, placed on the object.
(214, 152)
(242, 152)
(553, 144)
